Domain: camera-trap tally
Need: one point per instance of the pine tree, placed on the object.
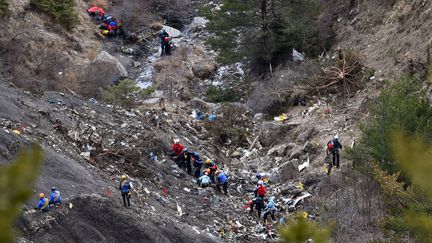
(262, 31)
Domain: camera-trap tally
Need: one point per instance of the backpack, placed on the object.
(330, 146)
(125, 188)
(261, 191)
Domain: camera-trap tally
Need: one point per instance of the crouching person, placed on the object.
(222, 181)
(43, 204)
(55, 197)
(204, 181)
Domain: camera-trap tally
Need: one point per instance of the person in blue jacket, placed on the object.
(55, 197)
(125, 187)
(43, 204)
(204, 181)
(270, 209)
(197, 164)
(222, 180)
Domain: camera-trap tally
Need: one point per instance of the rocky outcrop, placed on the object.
(198, 24)
(273, 132)
(117, 69)
(172, 32)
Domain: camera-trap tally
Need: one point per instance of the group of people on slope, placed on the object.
(44, 203)
(262, 206)
(210, 174)
(206, 173)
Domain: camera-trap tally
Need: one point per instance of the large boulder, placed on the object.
(198, 24)
(272, 132)
(288, 171)
(307, 134)
(279, 150)
(172, 32)
(118, 70)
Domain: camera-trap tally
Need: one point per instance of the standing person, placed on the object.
(125, 187)
(177, 147)
(260, 190)
(43, 204)
(162, 35)
(265, 177)
(167, 43)
(333, 147)
(270, 209)
(222, 180)
(184, 161)
(213, 168)
(197, 164)
(55, 197)
(258, 202)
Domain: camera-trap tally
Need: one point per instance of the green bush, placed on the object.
(121, 94)
(4, 8)
(16, 179)
(217, 95)
(403, 106)
(148, 91)
(300, 230)
(62, 11)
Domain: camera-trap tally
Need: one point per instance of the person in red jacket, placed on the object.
(177, 147)
(260, 190)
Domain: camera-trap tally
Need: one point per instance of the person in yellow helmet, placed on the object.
(209, 164)
(125, 187)
(43, 204)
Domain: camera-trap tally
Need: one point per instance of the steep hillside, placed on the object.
(277, 125)
(389, 35)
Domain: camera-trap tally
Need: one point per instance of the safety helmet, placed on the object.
(176, 140)
(41, 195)
(260, 182)
(336, 137)
(123, 177)
(166, 39)
(208, 161)
(250, 203)
(53, 189)
(185, 150)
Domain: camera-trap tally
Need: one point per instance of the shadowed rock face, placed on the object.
(94, 219)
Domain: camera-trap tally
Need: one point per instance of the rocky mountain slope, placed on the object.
(95, 144)
(387, 34)
(89, 145)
